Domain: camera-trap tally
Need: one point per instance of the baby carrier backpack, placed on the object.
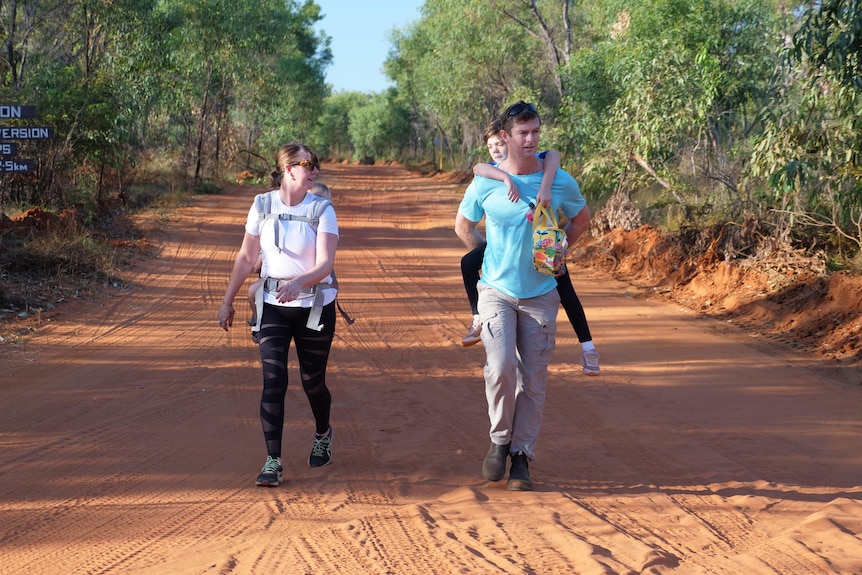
(263, 205)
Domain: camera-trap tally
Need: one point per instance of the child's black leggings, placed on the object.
(471, 265)
(574, 310)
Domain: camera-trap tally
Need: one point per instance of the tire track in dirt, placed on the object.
(92, 423)
(673, 486)
(662, 481)
(402, 312)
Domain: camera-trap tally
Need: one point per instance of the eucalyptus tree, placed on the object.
(331, 134)
(28, 31)
(460, 64)
(811, 149)
(556, 26)
(380, 128)
(672, 85)
(61, 56)
(256, 62)
(286, 95)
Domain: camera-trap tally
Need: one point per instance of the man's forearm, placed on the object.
(466, 230)
(577, 226)
(471, 239)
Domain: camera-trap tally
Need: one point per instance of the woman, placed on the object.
(298, 250)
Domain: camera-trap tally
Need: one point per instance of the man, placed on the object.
(517, 304)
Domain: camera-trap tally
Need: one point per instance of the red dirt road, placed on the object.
(130, 439)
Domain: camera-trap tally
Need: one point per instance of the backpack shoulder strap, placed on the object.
(317, 210)
(263, 205)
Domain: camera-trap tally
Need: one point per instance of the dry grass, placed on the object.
(46, 260)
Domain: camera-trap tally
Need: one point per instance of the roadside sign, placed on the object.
(17, 112)
(9, 163)
(16, 165)
(26, 132)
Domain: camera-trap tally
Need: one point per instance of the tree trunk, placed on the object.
(202, 126)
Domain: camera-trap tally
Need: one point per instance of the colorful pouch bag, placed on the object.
(549, 242)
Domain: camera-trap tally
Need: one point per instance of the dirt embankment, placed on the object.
(773, 291)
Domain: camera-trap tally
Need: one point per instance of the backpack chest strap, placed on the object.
(288, 218)
(263, 203)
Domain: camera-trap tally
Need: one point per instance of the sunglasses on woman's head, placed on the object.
(310, 164)
(520, 107)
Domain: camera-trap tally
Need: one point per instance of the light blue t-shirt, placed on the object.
(508, 264)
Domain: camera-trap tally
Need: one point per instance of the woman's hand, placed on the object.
(288, 291)
(225, 315)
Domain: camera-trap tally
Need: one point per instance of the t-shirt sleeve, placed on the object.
(251, 222)
(572, 200)
(328, 222)
(471, 207)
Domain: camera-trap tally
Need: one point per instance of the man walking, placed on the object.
(517, 304)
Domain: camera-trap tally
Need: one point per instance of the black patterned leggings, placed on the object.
(280, 325)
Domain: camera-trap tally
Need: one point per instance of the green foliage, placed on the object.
(459, 65)
(676, 83)
(331, 135)
(257, 62)
(830, 38)
(686, 102)
(380, 128)
(812, 138)
(201, 81)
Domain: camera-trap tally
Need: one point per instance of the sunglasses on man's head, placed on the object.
(310, 164)
(520, 107)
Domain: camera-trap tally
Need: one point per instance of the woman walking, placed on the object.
(297, 238)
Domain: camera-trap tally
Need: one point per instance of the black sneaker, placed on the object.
(321, 451)
(494, 466)
(519, 474)
(270, 475)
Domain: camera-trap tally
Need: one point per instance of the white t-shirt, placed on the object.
(298, 243)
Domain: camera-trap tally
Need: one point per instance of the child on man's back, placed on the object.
(471, 263)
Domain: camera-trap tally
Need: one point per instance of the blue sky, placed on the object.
(359, 32)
